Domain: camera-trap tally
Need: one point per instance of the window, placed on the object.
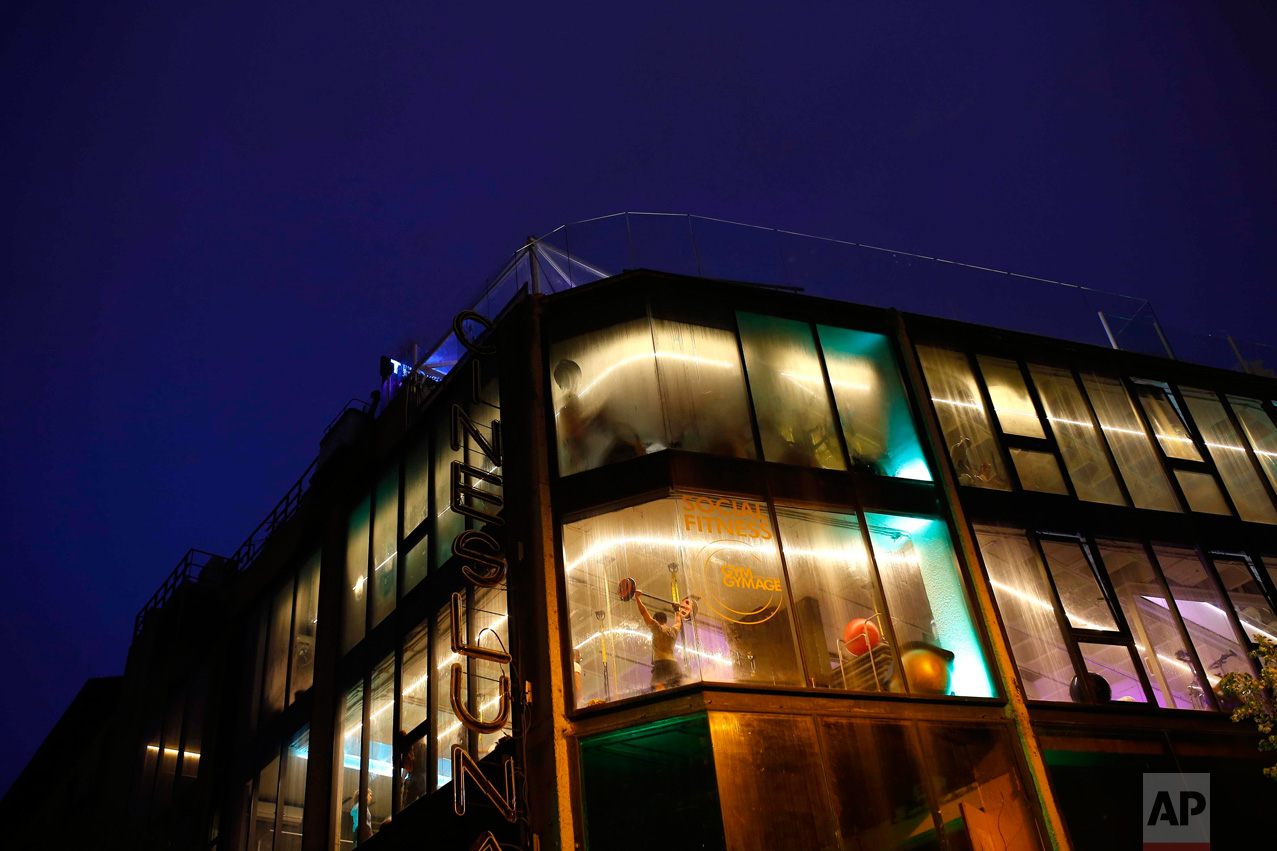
(1168, 424)
(787, 382)
(719, 552)
(702, 389)
(963, 418)
(940, 651)
(1199, 603)
(1156, 633)
(171, 749)
(841, 626)
(283, 664)
(872, 407)
(642, 385)
(355, 607)
(1138, 462)
(1025, 602)
(405, 700)
(1254, 612)
(1070, 419)
(305, 621)
(1231, 457)
(347, 784)
(1010, 396)
(1258, 425)
(278, 798)
(669, 767)
(385, 549)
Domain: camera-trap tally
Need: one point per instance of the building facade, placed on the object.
(667, 561)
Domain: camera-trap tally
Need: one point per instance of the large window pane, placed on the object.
(962, 416)
(771, 796)
(703, 389)
(1024, 602)
(1168, 426)
(448, 729)
(1247, 596)
(877, 785)
(720, 552)
(1038, 471)
(355, 601)
(447, 523)
(263, 836)
(277, 652)
(414, 699)
(1010, 397)
(840, 621)
(385, 546)
(788, 386)
(1079, 591)
(1202, 492)
(1066, 410)
(665, 768)
(381, 723)
(1232, 460)
(292, 792)
(1132, 449)
(415, 678)
(416, 496)
(492, 631)
(872, 406)
(606, 402)
(1260, 430)
(346, 784)
(1203, 612)
(1158, 641)
(305, 621)
(940, 648)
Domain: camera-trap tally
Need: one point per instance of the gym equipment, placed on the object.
(1103, 691)
(860, 636)
(928, 668)
(626, 589)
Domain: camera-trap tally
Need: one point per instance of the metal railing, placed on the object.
(590, 250)
(189, 568)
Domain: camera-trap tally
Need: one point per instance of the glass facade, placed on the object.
(822, 396)
(634, 575)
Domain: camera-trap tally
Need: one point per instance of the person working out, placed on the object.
(666, 672)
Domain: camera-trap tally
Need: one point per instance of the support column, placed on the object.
(1016, 709)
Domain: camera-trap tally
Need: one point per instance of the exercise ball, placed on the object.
(928, 668)
(1103, 691)
(860, 636)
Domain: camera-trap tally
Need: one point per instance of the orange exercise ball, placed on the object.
(928, 669)
(860, 635)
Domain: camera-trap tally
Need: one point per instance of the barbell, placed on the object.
(626, 589)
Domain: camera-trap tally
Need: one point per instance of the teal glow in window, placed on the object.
(872, 407)
(930, 614)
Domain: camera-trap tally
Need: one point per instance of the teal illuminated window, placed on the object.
(872, 407)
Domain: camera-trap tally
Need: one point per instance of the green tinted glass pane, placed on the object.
(871, 403)
(652, 785)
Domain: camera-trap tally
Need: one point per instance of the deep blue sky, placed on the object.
(219, 215)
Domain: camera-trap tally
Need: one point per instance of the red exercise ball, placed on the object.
(860, 636)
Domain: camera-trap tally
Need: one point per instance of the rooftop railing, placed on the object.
(593, 249)
(586, 251)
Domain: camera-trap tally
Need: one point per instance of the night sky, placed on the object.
(219, 216)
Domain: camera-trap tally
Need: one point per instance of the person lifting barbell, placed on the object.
(666, 671)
